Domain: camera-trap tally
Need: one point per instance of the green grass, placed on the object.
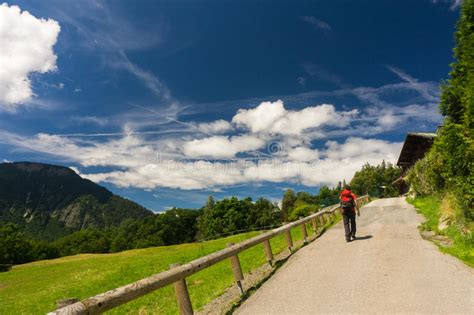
(462, 242)
(34, 288)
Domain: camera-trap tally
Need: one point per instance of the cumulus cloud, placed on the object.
(26, 47)
(274, 145)
(355, 147)
(215, 127)
(222, 146)
(137, 163)
(260, 118)
(273, 118)
(340, 162)
(303, 154)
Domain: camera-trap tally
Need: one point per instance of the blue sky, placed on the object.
(166, 102)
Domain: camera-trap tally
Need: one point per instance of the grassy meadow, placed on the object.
(33, 288)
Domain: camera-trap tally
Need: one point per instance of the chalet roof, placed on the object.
(415, 147)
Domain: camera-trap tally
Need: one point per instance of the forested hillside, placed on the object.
(50, 201)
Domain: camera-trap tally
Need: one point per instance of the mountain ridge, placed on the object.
(50, 201)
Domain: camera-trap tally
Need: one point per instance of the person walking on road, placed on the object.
(349, 208)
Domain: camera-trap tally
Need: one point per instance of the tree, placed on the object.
(287, 204)
(304, 198)
(302, 211)
(265, 213)
(328, 196)
(232, 215)
(376, 180)
(15, 248)
(448, 168)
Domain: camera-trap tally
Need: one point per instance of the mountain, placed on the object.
(50, 201)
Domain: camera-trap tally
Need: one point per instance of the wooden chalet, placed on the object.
(414, 148)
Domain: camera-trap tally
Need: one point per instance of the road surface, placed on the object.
(392, 269)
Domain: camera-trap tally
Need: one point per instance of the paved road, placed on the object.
(392, 270)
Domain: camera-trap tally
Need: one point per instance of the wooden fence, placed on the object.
(178, 273)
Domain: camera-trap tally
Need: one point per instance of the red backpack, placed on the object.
(347, 201)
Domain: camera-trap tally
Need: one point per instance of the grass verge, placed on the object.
(461, 240)
(33, 288)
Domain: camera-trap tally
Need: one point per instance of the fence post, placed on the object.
(315, 225)
(289, 241)
(268, 252)
(305, 233)
(182, 295)
(237, 270)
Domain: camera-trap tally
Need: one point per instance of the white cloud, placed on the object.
(206, 174)
(137, 165)
(26, 47)
(356, 147)
(388, 119)
(273, 118)
(303, 154)
(222, 146)
(99, 121)
(215, 127)
(261, 118)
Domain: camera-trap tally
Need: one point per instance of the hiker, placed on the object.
(349, 207)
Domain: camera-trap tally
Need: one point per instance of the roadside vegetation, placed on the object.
(443, 180)
(454, 240)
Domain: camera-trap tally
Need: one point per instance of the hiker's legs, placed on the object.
(346, 219)
(353, 224)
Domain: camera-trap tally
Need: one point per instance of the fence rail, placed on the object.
(178, 273)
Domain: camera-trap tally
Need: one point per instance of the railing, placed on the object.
(178, 273)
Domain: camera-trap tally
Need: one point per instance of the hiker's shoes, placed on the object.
(350, 238)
